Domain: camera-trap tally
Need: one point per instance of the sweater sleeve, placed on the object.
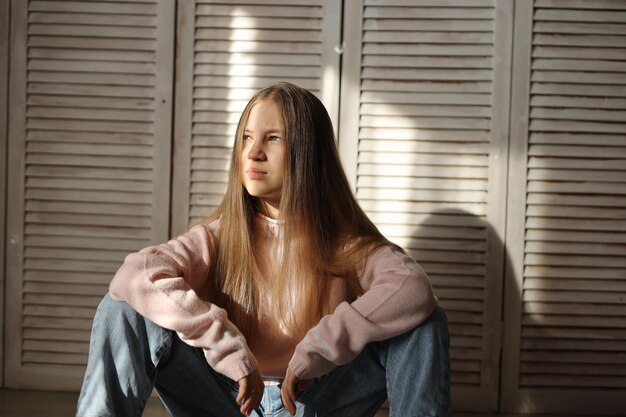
(162, 283)
(398, 297)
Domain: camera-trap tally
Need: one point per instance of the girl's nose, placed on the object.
(256, 152)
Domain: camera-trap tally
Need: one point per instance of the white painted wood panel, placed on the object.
(228, 51)
(91, 94)
(565, 339)
(426, 152)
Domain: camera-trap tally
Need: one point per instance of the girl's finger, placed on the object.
(292, 398)
(286, 401)
(247, 406)
(252, 401)
(243, 388)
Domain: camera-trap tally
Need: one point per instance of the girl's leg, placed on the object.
(412, 370)
(353, 390)
(129, 354)
(417, 368)
(189, 387)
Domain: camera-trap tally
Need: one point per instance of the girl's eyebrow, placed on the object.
(273, 130)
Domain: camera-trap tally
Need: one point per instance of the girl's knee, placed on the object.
(113, 308)
(437, 324)
(438, 318)
(434, 328)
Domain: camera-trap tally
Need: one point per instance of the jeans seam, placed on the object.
(165, 346)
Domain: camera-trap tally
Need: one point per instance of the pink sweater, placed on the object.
(169, 284)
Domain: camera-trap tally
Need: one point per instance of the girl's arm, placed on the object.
(398, 296)
(163, 283)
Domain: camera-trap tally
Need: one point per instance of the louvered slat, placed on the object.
(240, 33)
(389, 55)
(578, 118)
(570, 274)
(96, 116)
(424, 160)
(235, 49)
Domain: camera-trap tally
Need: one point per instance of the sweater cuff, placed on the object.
(299, 364)
(235, 368)
(309, 365)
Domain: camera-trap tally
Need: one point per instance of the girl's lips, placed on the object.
(255, 174)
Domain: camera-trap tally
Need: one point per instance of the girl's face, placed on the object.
(263, 155)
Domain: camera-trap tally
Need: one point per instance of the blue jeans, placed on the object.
(129, 356)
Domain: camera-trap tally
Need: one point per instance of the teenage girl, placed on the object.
(287, 299)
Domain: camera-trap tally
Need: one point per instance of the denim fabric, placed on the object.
(129, 356)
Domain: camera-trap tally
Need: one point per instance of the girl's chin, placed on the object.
(264, 194)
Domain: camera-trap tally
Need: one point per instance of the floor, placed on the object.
(14, 403)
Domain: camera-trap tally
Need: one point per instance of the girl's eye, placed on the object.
(246, 137)
(273, 138)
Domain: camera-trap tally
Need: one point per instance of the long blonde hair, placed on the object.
(325, 234)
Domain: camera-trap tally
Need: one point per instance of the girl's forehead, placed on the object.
(264, 113)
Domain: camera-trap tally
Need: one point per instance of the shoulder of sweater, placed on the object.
(389, 256)
(199, 234)
(206, 228)
(385, 253)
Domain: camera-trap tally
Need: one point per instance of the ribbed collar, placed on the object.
(273, 226)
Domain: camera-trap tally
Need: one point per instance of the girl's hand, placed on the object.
(251, 389)
(288, 391)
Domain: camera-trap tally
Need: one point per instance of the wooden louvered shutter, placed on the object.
(427, 151)
(565, 339)
(90, 123)
(227, 51)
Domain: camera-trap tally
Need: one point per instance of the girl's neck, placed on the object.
(269, 209)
